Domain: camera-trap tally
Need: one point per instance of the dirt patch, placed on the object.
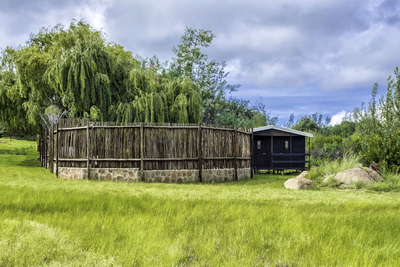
(2, 142)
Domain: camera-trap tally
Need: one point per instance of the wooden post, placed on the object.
(234, 152)
(272, 152)
(200, 152)
(88, 152)
(52, 149)
(142, 150)
(57, 149)
(252, 153)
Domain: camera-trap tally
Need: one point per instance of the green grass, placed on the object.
(55, 222)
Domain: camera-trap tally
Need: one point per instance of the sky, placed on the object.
(299, 56)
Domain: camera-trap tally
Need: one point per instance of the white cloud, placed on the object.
(338, 117)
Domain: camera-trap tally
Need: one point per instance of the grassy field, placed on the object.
(55, 222)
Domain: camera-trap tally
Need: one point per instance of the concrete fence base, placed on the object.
(157, 176)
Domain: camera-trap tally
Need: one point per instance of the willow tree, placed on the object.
(153, 97)
(75, 69)
(12, 113)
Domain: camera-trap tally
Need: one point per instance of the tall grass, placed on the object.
(327, 168)
(55, 222)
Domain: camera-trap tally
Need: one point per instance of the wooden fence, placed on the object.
(85, 144)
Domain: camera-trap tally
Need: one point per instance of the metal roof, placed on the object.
(283, 129)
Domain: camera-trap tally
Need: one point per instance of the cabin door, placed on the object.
(262, 152)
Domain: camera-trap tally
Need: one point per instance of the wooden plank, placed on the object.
(171, 127)
(73, 128)
(234, 152)
(51, 156)
(170, 159)
(116, 160)
(200, 152)
(220, 129)
(115, 126)
(142, 150)
(252, 153)
(57, 148)
(73, 160)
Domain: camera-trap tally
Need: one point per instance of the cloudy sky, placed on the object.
(300, 56)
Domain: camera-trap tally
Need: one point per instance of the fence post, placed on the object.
(57, 149)
(234, 152)
(142, 151)
(251, 153)
(200, 152)
(88, 152)
(51, 155)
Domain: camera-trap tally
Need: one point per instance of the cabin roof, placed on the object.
(283, 129)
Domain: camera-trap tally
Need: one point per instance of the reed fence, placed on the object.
(85, 144)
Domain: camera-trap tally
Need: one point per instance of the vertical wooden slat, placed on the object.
(88, 152)
(234, 151)
(251, 153)
(200, 152)
(51, 158)
(142, 150)
(57, 149)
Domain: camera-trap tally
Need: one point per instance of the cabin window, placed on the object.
(258, 144)
(286, 145)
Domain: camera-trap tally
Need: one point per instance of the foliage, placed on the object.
(76, 71)
(210, 77)
(380, 125)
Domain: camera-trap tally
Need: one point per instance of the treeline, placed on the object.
(75, 72)
(371, 131)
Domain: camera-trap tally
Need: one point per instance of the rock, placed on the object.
(303, 174)
(354, 175)
(374, 174)
(298, 183)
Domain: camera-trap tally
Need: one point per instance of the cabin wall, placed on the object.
(284, 146)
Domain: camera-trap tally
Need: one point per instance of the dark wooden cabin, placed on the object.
(279, 148)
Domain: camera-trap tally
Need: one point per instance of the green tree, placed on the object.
(209, 76)
(379, 125)
(76, 70)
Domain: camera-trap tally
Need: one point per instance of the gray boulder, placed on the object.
(298, 183)
(354, 175)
